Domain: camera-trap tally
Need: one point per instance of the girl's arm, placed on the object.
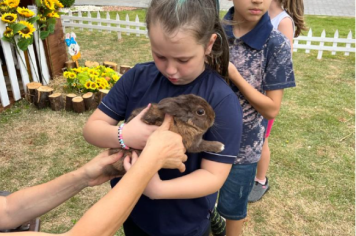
(202, 182)
(286, 27)
(29, 203)
(102, 131)
(267, 105)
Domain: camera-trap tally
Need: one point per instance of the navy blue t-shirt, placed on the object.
(144, 84)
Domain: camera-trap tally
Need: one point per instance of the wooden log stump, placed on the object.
(70, 65)
(88, 100)
(31, 90)
(91, 64)
(41, 99)
(56, 101)
(102, 94)
(110, 64)
(78, 104)
(69, 105)
(124, 69)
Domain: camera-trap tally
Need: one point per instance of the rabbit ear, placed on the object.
(175, 107)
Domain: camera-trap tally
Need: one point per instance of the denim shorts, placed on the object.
(233, 196)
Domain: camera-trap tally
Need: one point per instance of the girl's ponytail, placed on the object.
(295, 8)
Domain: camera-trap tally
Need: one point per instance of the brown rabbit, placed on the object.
(192, 117)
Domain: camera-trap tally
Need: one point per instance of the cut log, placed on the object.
(70, 64)
(88, 100)
(78, 104)
(124, 69)
(41, 99)
(56, 101)
(69, 105)
(110, 64)
(31, 90)
(102, 94)
(91, 64)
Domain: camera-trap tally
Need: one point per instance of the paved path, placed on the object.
(311, 7)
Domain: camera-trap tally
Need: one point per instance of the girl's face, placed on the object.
(178, 56)
(250, 10)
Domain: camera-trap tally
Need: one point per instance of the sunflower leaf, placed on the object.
(6, 39)
(17, 27)
(24, 43)
(44, 34)
(33, 19)
(51, 28)
(51, 21)
(38, 3)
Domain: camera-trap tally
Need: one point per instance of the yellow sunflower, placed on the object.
(72, 75)
(115, 77)
(74, 85)
(88, 84)
(58, 4)
(53, 14)
(93, 86)
(28, 30)
(3, 8)
(12, 3)
(25, 12)
(49, 4)
(9, 17)
(9, 33)
(66, 74)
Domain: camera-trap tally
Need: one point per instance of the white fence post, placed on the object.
(127, 26)
(137, 20)
(80, 22)
(71, 21)
(320, 53)
(89, 16)
(310, 34)
(23, 67)
(98, 17)
(108, 18)
(348, 45)
(336, 36)
(118, 26)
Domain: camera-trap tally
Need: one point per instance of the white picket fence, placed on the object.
(110, 24)
(336, 41)
(19, 58)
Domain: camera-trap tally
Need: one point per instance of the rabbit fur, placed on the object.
(192, 117)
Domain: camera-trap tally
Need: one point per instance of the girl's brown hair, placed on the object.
(200, 17)
(295, 8)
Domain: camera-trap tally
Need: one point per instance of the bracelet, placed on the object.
(119, 136)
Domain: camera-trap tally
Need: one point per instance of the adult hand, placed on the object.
(166, 147)
(136, 132)
(93, 171)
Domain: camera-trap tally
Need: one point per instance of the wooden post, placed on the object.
(91, 64)
(41, 99)
(110, 64)
(124, 69)
(88, 100)
(70, 64)
(78, 104)
(69, 105)
(31, 90)
(56, 101)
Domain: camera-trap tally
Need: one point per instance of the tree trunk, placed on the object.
(56, 101)
(110, 64)
(69, 105)
(41, 99)
(88, 100)
(78, 104)
(31, 90)
(124, 69)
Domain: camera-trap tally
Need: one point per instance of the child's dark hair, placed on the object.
(200, 17)
(295, 8)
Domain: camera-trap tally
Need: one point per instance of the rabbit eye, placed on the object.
(200, 112)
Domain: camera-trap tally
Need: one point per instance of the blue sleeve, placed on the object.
(227, 129)
(114, 104)
(279, 72)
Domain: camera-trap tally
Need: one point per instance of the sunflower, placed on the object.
(25, 12)
(58, 4)
(53, 14)
(9, 33)
(93, 86)
(28, 30)
(88, 84)
(115, 77)
(49, 4)
(12, 3)
(66, 74)
(74, 85)
(3, 8)
(72, 75)
(9, 17)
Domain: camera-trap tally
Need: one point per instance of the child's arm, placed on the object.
(102, 131)
(202, 182)
(267, 105)
(286, 28)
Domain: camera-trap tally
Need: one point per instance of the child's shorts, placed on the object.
(233, 196)
(269, 127)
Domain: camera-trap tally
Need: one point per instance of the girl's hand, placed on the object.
(129, 162)
(136, 132)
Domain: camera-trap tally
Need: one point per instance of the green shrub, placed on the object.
(67, 3)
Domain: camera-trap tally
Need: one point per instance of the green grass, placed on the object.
(312, 142)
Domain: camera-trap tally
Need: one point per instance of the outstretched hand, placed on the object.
(136, 132)
(94, 170)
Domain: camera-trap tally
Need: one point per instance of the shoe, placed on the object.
(258, 190)
(217, 223)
